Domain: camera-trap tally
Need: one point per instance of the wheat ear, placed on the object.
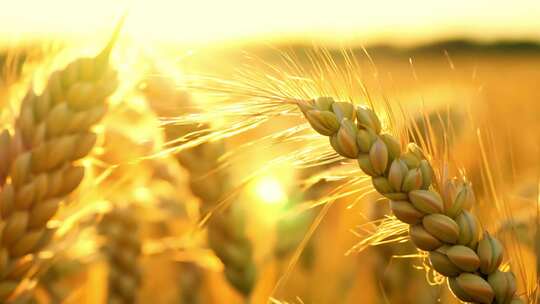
(226, 235)
(209, 182)
(440, 223)
(122, 248)
(52, 132)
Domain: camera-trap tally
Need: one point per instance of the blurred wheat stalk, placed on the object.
(122, 248)
(209, 181)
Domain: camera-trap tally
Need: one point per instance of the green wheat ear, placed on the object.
(440, 222)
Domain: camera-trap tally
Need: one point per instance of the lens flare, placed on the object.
(270, 191)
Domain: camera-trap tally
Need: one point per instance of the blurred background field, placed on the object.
(476, 63)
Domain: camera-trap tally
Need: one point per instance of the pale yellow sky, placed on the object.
(208, 21)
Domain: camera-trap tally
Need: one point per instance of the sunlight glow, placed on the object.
(206, 21)
(270, 191)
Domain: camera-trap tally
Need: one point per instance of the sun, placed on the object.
(270, 191)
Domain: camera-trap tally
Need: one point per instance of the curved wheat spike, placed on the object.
(438, 215)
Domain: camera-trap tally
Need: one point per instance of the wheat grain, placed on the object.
(52, 132)
(440, 222)
(122, 248)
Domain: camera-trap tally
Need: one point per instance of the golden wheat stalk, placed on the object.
(210, 183)
(438, 214)
(122, 248)
(52, 132)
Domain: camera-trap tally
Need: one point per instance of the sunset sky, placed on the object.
(209, 21)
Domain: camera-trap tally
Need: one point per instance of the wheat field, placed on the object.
(137, 173)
